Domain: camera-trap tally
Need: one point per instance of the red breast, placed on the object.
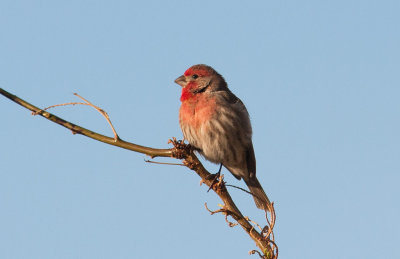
(196, 109)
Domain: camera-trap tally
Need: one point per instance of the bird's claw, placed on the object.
(216, 179)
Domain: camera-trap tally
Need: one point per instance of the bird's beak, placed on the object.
(181, 80)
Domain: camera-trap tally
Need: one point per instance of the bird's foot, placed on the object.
(215, 180)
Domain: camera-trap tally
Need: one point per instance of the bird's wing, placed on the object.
(251, 161)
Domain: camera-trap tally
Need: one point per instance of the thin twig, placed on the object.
(162, 163)
(102, 112)
(237, 187)
(88, 103)
(224, 211)
(57, 105)
(271, 223)
(254, 223)
(256, 252)
(212, 212)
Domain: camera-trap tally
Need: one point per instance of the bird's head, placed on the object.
(199, 79)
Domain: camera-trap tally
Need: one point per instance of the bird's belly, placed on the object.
(213, 141)
(203, 139)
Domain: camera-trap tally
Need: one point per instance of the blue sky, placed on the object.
(320, 80)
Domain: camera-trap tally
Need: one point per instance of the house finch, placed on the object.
(217, 124)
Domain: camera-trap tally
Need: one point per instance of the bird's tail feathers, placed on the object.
(260, 197)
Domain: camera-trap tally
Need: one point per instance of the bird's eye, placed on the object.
(195, 76)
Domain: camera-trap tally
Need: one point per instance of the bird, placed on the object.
(216, 124)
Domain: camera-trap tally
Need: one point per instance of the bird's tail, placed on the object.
(260, 198)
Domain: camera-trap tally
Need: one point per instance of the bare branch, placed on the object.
(152, 152)
(264, 239)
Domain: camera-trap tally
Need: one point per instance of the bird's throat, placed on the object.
(186, 94)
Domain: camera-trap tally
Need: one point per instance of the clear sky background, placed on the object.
(320, 80)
